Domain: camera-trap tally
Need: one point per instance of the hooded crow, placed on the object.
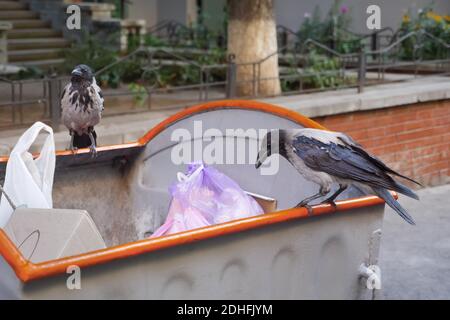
(327, 157)
(82, 107)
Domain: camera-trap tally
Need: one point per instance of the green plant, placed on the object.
(100, 54)
(153, 41)
(312, 26)
(422, 46)
(320, 72)
(204, 37)
(97, 54)
(139, 93)
(290, 80)
(332, 30)
(110, 78)
(117, 13)
(325, 72)
(90, 50)
(27, 73)
(130, 70)
(186, 74)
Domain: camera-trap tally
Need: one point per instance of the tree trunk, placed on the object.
(252, 37)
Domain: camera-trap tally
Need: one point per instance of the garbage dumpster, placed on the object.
(287, 253)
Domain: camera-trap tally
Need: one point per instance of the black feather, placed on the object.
(83, 141)
(347, 163)
(405, 190)
(381, 165)
(387, 196)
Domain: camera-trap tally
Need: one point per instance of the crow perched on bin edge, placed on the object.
(82, 107)
(327, 157)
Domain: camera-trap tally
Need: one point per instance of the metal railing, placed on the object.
(44, 97)
(351, 70)
(177, 34)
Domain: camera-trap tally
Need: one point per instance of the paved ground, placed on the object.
(415, 260)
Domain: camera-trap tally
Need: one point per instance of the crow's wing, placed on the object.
(348, 141)
(344, 162)
(65, 95)
(99, 94)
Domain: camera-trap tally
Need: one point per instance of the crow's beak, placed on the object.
(260, 159)
(257, 164)
(77, 72)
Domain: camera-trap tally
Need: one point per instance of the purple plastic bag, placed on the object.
(203, 197)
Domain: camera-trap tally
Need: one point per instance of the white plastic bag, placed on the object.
(28, 181)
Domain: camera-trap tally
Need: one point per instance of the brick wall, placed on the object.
(413, 140)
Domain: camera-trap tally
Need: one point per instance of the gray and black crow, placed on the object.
(327, 157)
(82, 107)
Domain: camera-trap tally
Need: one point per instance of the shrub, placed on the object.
(320, 72)
(332, 31)
(434, 24)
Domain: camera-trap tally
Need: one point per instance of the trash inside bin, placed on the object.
(204, 197)
(283, 254)
(43, 234)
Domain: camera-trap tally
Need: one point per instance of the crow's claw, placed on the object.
(73, 149)
(93, 152)
(304, 205)
(330, 202)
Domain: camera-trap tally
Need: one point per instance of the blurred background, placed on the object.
(162, 55)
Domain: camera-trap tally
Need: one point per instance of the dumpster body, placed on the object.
(286, 254)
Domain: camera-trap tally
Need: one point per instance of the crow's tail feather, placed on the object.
(387, 196)
(83, 141)
(405, 190)
(379, 163)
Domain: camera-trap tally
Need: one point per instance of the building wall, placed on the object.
(154, 11)
(413, 139)
(214, 14)
(290, 13)
(144, 9)
(172, 10)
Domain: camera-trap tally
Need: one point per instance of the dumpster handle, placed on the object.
(11, 203)
(372, 274)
